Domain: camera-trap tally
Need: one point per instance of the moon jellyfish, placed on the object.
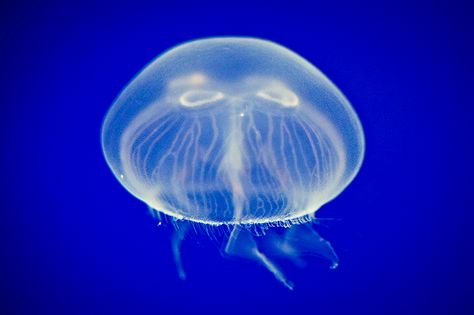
(241, 133)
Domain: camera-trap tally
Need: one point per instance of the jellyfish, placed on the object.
(241, 133)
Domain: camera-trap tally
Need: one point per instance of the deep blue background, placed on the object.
(73, 241)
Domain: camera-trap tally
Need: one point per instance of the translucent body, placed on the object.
(233, 130)
(238, 132)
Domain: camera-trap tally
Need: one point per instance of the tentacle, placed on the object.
(176, 240)
(156, 215)
(241, 244)
(301, 240)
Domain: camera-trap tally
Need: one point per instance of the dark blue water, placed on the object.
(73, 241)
